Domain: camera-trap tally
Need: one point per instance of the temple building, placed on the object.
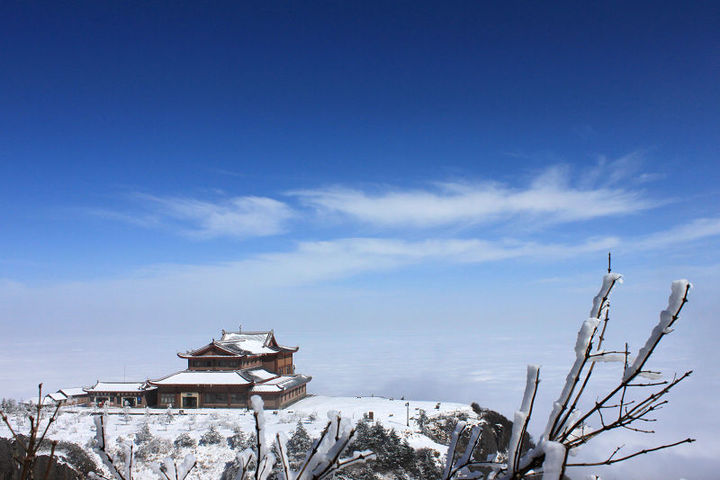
(227, 372)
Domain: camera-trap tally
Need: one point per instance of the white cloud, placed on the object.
(696, 230)
(238, 217)
(549, 198)
(608, 172)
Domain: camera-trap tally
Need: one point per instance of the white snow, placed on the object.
(607, 357)
(266, 388)
(57, 396)
(73, 392)
(554, 459)
(255, 343)
(202, 378)
(582, 343)
(598, 304)
(583, 340)
(106, 387)
(677, 292)
(522, 414)
(278, 384)
(261, 374)
(75, 424)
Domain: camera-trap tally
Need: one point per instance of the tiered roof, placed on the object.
(240, 344)
(259, 379)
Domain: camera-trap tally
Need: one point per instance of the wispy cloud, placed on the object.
(697, 229)
(549, 197)
(624, 170)
(238, 217)
(319, 261)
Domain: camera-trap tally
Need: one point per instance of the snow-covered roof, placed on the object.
(57, 397)
(280, 384)
(195, 377)
(243, 343)
(73, 392)
(124, 387)
(259, 374)
(254, 343)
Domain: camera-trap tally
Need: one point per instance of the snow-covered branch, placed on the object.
(29, 446)
(322, 460)
(567, 427)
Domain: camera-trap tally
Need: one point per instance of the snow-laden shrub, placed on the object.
(439, 428)
(143, 435)
(184, 440)
(394, 455)
(153, 448)
(238, 440)
(211, 437)
(8, 405)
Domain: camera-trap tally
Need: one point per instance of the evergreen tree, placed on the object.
(184, 440)
(299, 443)
(378, 438)
(211, 437)
(361, 441)
(126, 414)
(422, 420)
(238, 440)
(143, 435)
(406, 458)
(427, 464)
(390, 458)
(168, 417)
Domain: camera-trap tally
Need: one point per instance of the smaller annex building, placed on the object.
(227, 372)
(68, 396)
(121, 394)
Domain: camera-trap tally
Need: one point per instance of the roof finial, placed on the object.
(609, 264)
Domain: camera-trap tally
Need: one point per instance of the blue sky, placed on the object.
(354, 175)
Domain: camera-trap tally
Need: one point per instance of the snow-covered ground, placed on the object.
(75, 424)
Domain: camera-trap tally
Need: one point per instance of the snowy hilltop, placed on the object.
(410, 437)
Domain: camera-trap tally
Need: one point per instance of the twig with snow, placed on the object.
(567, 426)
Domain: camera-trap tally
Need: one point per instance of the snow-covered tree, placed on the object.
(126, 414)
(422, 420)
(211, 437)
(238, 440)
(322, 461)
(299, 443)
(143, 435)
(184, 440)
(120, 463)
(630, 403)
(168, 417)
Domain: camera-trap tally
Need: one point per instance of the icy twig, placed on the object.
(100, 447)
(566, 427)
(34, 441)
(172, 471)
(610, 460)
(522, 416)
(322, 461)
